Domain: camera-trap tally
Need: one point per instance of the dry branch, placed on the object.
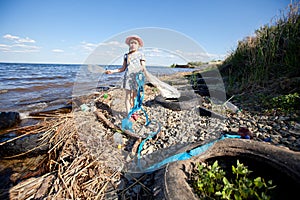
(73, 171)
(102, 118)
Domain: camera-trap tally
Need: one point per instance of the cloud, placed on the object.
(160, 53)
(18, 39)
(57, 50)
(21, 48)
(26, 40)
(10, 37)
(4, 47)
(18, 45)
(110, 48)
(217, 56)
(113, 44)
(88, 46)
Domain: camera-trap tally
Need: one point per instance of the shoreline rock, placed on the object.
(9, 119)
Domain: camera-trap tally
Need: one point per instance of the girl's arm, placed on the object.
(124, 66)
(143, 64)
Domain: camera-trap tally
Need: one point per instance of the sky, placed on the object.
(75, 31)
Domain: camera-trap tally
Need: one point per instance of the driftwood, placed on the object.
(45, 113)
(135, 146)
(102, 118)
(37, 187)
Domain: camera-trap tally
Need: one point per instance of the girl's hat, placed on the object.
(136, 37)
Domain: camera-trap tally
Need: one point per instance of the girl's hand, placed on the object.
(108, 72)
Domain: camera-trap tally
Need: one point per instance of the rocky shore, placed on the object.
(179, 129)
(184, 127)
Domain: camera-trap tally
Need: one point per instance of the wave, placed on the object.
(40, 87)
(3, 91)
(32, 78)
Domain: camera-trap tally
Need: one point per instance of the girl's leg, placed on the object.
(127, 101)
(133, 96)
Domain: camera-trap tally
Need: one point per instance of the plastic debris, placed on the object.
(85, 108)
(245, 133)
(118, 140)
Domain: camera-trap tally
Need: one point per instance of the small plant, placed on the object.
(155, 89)
(211, 183)
(193, 79)
(195, 64)
(173, 65)
(286, 103)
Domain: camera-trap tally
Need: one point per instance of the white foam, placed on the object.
(24, 115)
(38, 105)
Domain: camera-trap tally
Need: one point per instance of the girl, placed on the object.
(134, 62)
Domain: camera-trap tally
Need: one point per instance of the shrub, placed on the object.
(285, 103)
(211, 183)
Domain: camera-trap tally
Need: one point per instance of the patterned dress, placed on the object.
(133, 67)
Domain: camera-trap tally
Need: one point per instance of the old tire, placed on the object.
(186, 101)
(277, 163)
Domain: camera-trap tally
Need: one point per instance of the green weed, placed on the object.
(285, 103)
(212, 183)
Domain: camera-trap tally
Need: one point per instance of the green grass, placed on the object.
(273, 52)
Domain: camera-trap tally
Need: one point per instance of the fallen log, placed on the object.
(108, 123)
(45, 113)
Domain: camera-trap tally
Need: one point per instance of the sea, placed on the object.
(26, 87)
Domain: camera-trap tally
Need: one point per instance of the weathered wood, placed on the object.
(135, 146)
(108, 123)
(61, 110)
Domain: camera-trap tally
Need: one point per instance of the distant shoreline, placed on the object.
(79, 64)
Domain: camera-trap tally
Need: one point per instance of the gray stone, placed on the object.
(9, 119)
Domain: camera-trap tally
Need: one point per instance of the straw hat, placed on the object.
(136, 37)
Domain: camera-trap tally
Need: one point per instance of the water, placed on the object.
(34, 87)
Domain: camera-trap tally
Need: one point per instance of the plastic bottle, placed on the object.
(118, 140)
(85, 108)
(232, 107)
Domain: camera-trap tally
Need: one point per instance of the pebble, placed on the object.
(188, 126)
(182, 127)
(195, 128)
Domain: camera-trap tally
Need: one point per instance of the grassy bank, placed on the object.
(268, 62)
